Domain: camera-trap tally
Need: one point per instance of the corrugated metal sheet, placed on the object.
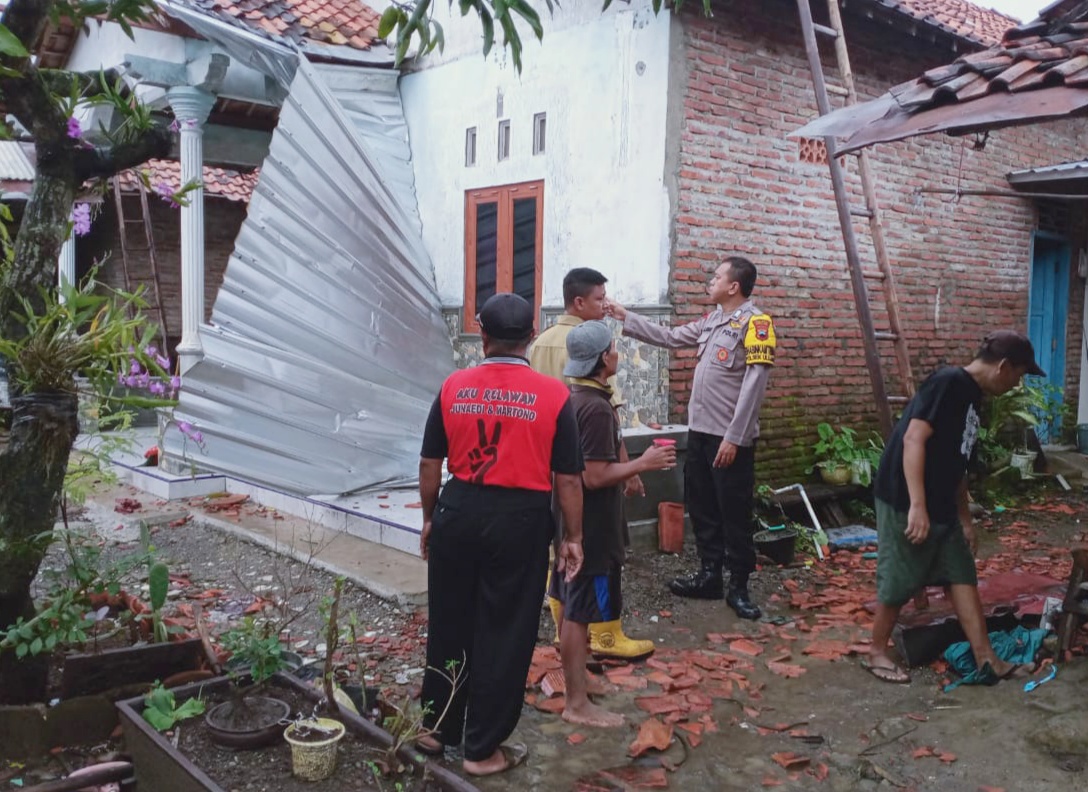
(326, 345)
(14, 164)
(1066, 168)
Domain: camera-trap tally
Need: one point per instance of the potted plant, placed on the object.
(247, 720)
(841, 457)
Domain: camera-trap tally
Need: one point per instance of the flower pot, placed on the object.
(777, 545)
(670, 527)
(1023, 461)
(313, 759)
(253, 722)
(861, 472)
(836, 476)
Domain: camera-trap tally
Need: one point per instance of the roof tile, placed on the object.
(223, 182)
(346, 22)
(1029, 57)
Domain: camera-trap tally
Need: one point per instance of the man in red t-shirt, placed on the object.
(505, 430)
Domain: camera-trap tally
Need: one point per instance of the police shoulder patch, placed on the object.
(759, 341)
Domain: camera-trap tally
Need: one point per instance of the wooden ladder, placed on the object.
(149, 235)
(884, 275)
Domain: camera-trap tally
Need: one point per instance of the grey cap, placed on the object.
(585, 345)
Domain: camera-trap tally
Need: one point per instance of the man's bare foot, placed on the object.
(590, 714)
(1005, 671)
(506, 757)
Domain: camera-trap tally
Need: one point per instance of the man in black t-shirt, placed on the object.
(926, 534)
(594, 596)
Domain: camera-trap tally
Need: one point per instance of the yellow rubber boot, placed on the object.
(607, 639)
(556, 607)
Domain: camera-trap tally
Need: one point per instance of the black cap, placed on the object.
(507, 317)
(1013, 347)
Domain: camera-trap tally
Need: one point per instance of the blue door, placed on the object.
(1047, 308)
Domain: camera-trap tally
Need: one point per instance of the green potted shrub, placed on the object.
(841, 457)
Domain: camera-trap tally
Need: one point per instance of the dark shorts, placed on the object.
(588, 599)
(903, 568)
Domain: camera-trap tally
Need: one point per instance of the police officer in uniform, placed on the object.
(505, 430)
(736, 344)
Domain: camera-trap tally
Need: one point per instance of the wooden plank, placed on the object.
(85, 674)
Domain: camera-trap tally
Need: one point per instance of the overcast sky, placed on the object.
(1024, 10)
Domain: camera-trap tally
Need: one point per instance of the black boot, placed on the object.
(739, 600)
(706, 583)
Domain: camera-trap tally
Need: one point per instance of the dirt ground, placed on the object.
(781, 702)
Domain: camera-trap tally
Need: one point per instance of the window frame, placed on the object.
(471, 144)
(504, 141)
(504, 196)
(540, 134)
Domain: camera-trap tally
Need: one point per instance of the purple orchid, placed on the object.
(81, 219)
(75, 130)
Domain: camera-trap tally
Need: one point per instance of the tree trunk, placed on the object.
(32, 467)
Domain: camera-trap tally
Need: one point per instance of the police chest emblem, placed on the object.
(762, 328)
(735, 325)
(723, 354)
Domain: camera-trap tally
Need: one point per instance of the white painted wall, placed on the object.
(602, 80)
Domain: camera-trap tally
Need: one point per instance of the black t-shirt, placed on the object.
(949, 401)
(602, 509)
(566, 454)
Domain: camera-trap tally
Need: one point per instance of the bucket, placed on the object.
(314, 760)
(670, 527)
(777, 545)
(1082, 438)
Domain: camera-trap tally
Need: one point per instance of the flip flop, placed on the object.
(893, 676)
(514, 754)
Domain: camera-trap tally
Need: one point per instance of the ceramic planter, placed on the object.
(836, 476)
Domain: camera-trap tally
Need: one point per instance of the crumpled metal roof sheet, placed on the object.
(327, 344)
(14, 164)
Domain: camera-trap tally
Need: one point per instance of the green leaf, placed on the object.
(439, 37)
(50, 642)
(158, 580)
(529, 14)
(36, 646)
(189, 709)
(10, 44)
(160, 721)
(388, 21)
(489, 27)
(21, 650)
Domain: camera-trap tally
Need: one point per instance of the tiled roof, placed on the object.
(339, 22)
(960, 18)
(229, 184)
(1044, 55)
(14, 163)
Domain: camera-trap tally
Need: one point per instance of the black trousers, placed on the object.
(719, 501)
(488, 563)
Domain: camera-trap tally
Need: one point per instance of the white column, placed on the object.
(66, 263)
(191, 107)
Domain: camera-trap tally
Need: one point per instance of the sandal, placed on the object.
(893, 676)
(514, 754)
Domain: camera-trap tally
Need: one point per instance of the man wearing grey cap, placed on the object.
(594, 596)
(926, 533)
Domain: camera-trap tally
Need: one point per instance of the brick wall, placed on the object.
(222, 222)
(962, 267)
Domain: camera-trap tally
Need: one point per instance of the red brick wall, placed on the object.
(962, 267)
(222, 222)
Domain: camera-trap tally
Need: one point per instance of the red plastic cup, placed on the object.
(664, 442)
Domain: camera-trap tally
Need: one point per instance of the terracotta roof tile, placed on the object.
(347, 22)
(223, 182)
(1029, 57)
(961, 18)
